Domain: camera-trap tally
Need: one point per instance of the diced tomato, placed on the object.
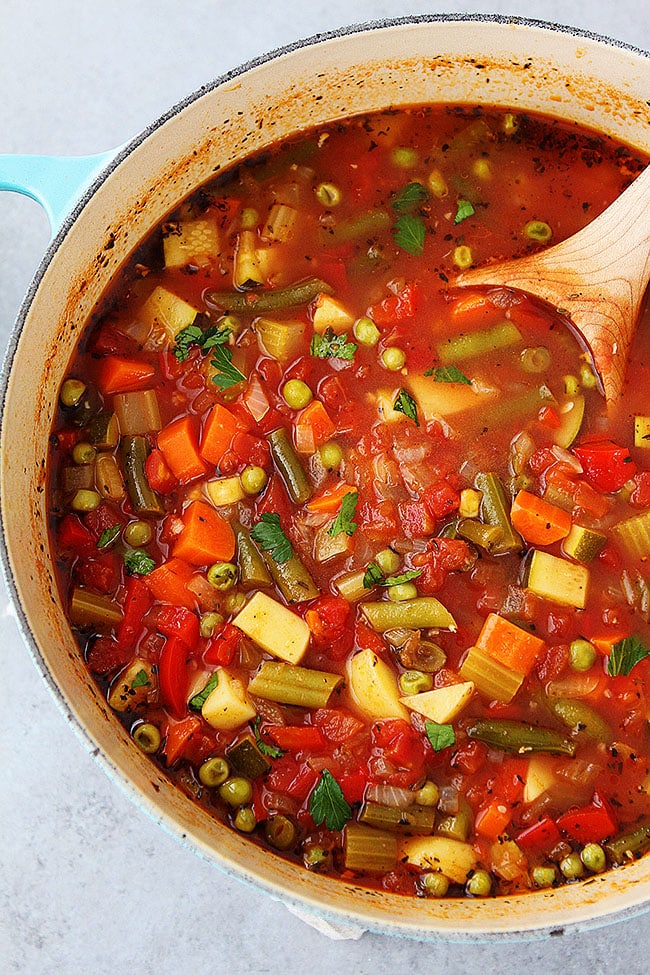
(275, 500)
(378, 521)
(249, 449)
(177, 621)
(173, 676)
(103, 517)
(292, 778)
(270, 371)
(365, 638)
(178, 737)
(106, 656)
(441, 499)
(416, 519)
(327, 617)
(400, 742)
(297, 738)
(588, 824)
(223, 645)
(73, 537)
(469, 757)
(397, 307)
(337, 725)
(543, 835)
(442, 556)
(606, 465)
(101, 573)
(137, 603)
(640, 496)
(332, 393)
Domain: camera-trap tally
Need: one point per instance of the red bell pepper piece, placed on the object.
(74, 537)
(353, 785)
(296, 738)
(543, 835)
(173, 676)
(178, 621)
(588, 824)
(290, 777)
(178, 736)
(223, 645)
(606, 465)
(137, 603)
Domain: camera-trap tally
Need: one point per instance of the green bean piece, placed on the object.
(288, 684)
(630, 845)
(289, 466)
(256, 302)
(292, 579)
(579, 717)
(253, 573)
(369, 850)
(246, 758)
(488, 537)
(365, 224)
(280, 832)
(472, 344)
(419, 820)
(519, 736)
(495, 510)
(135, 451)
(415, 614)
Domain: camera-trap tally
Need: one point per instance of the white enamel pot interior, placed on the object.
(528, 66)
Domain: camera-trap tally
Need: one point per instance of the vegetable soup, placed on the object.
(358, 555)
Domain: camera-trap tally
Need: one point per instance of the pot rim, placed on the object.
(302, 904)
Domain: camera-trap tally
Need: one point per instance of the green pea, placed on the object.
(253, 479)
(71, 392)
(404, 157)
(571, 866)
(222, 576)
(138, 533)
(535, 358)
(479, 884)
(297, 394)
(593, 857)
(85, 500)
(214, 771)
(235, 601)
(314, 857)
(83, 453)
(393, 358)
(236, 791)
(463, 257)
(415, 682)
(405, 590)
(587, 376)
(209, 623)
(544, 876)
(428, 794)
(366, 332)
(330, 455)
(435, 884)
(538, 230)
(280, 832)
(245, 820)
(328, 194)
(582, 655)
(388, 561)
(147, 738)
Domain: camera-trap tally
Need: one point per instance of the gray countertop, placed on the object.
(87, 883)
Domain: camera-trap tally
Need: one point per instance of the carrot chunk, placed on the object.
(168, 583)
(508, 644)
(115, 374)
(218, 431)
(538, 521)
(206, 536)
(178, 442)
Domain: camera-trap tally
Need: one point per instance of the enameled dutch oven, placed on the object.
(526, 65)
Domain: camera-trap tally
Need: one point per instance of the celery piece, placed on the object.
(495, 510)
(90, 609)
(519, 736)
(579, 717)
(292, 579)
(419, 820)
(470, 345)
(369, 850)
(328, 546)
(423, 612)
(633, 535)
(253, 573)
(137, 412)
(280, 223)
(491, 678)
(557, 579)
(289, 466)
(288, 684)
(365, 224)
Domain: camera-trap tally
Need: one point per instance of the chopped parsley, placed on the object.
(409, 198)
(464, 209)
(440, 735)
(331, 346)
(448, 374)
(206, 339)
(404, 403)
(141, 679)
(108, 535)
(271, 751)
(138, 563)
(343, 521)
(409, 232)
(197, 702)
(625, 655)
(270, 537)
(375, 577)
(328, 804)
(227, 374)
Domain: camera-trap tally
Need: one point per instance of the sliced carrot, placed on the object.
(492, 820)
(469, 304)
(329, 501)
(509, 644)
(206, 537)
(179, 443)
(218, 431)
(115, 374)
(538, 521)
(313, 428)
(168, 583)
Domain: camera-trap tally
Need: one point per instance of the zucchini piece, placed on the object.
(583, 544)
(288, 684)
(470, 345)
(558, 580)
(246, 758)
(458, 825)
(350, 585)
(274, 628)
(193, 242)
(279, 339)
(373, 687)
(103, 431)
(571, 414)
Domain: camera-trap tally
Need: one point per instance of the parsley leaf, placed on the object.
(625, 655)
(448, 374)
(268, 534)
(327, 803)
(409, 232)
(227, 375)
(409, 197)
(138, 563)
(464, 209)
(403, 577)
(194, 335)
(269, 750)
(108, 535)
(343, 521)
(141, 679)
(440, 735)
(404, 403)
(373, 576)
(331, 346)
(197, 702)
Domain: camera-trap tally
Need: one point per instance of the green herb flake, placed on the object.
(108, 536)
(271, 751)
(409, 232)
(399, 580)
(440, 735)
(205, 339)
(332, 346)
(327, 803)
(141, 679)
(138, 563)
(373, 576)
(448, 374)
(227, 375)
(464, 209)
(268, 534)
(625, 655)
(343, 521)
(404, 403)
(409, 198)
(197, 702)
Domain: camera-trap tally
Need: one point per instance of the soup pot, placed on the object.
(527, 65)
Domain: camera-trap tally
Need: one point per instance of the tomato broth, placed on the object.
(357, 555)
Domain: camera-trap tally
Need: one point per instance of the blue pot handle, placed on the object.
(56, 182)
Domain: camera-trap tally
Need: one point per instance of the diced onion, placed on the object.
(390, 795)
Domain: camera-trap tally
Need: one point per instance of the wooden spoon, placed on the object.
(598, 278)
